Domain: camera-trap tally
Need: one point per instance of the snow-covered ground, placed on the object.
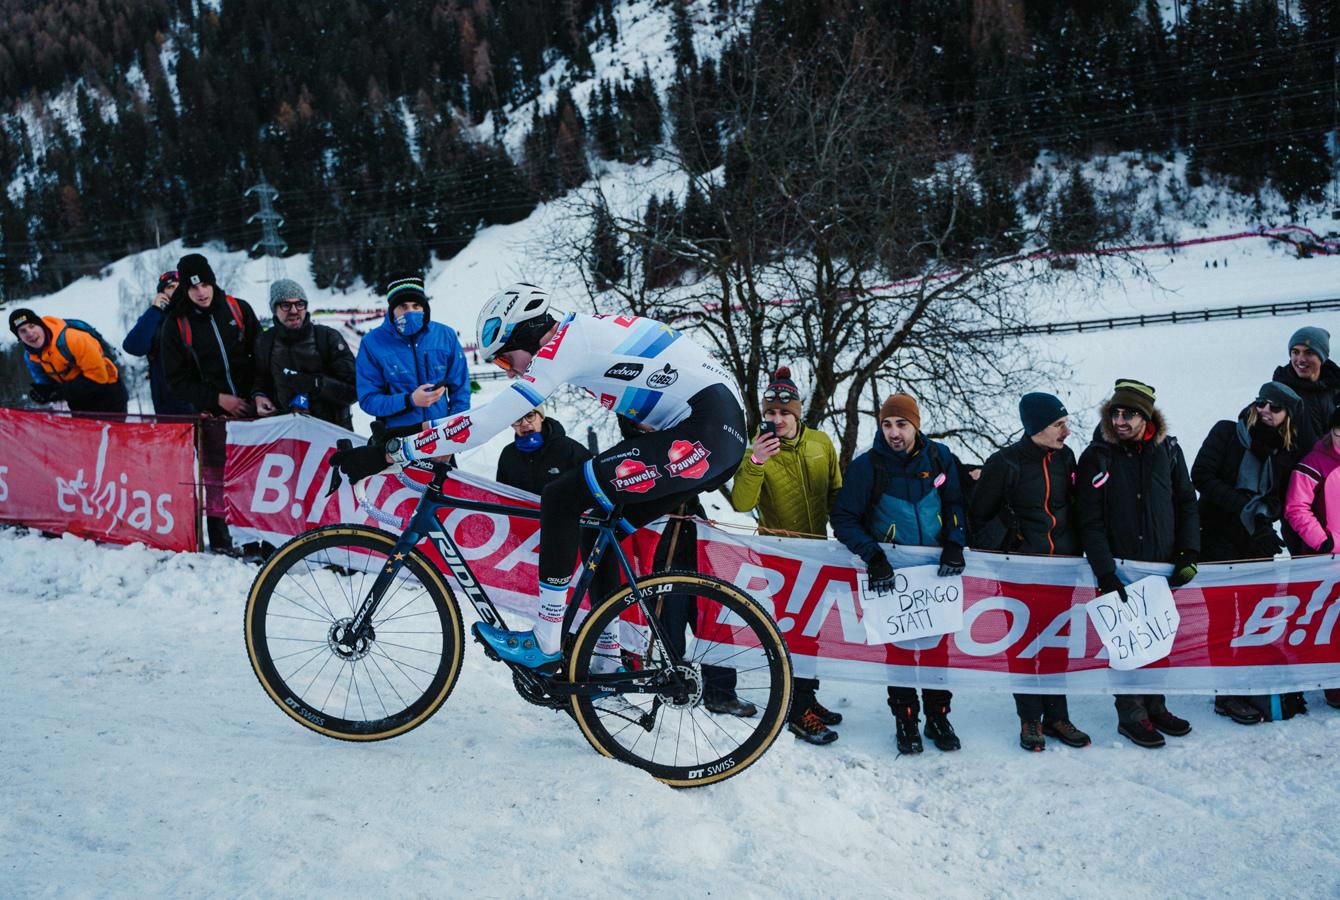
(143, 759)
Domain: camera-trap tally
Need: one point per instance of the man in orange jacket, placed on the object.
(68, 363)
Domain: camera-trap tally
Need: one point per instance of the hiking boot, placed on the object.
(1030, 736)
(1238, 709)
(810, 729)
(1065, 732)
(826, 715)
(1141, 733)
(909, 738)
(1169, 724)
(941, 732)
(731, 705)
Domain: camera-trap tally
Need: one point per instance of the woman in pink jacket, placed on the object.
(1312, 507)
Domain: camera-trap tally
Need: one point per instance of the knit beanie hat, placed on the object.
(24, 317)
(1318, 340)
(1281, 395)
(901, 406)
(167, 278)
(782, 393)
(1038, 410)
(1133, 394)
(285, 289)
(408, 287)
(194, 269)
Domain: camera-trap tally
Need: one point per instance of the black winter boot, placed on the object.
(1168, 723)
(826, 715)
(941, 732)
(811, 729)
(906, 721)
(1141, 733)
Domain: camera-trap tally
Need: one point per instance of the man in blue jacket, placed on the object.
(905, 490)
(401, 360)
(142, 340)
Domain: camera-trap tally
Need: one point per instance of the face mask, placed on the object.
(529, 443)
(409, 322)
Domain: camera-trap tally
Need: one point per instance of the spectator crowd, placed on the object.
(1266, 479)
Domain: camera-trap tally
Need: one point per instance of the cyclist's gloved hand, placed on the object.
(951, 561)
(880, 572)
(355, 463)
(1109, 583)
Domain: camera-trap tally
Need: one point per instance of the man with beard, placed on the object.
(301, 366)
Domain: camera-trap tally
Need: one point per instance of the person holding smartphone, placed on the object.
(143, 340)
(789, 477)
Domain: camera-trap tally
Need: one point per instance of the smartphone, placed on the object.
(767, 427)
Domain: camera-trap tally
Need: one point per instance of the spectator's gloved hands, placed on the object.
(1109, 583)
(880, 572)
(355, 463)
(951, 561)
(44, 392)
(1327, 546)
(1184, 569)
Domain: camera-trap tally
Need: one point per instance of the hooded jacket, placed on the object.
(909, 509)
(142, 340)
(1032, 490)
(391, 365)
(795, 488)
(1319, 401)
(1215, 473)
(284, 355)
(1135, 498)
(1312, 505)
(221, 356)
(532, 471)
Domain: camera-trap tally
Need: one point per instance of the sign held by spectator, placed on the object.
(1139, 630)
(918, 604)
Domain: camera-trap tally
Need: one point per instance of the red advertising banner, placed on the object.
(113, 481)
(1262, 627)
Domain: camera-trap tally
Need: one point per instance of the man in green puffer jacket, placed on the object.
(791, 476)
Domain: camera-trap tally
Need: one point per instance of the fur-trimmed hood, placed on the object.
(1105, 433)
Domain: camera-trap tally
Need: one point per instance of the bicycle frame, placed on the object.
(424, 523)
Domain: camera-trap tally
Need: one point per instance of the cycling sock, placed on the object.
(549, 626)
(607, 652)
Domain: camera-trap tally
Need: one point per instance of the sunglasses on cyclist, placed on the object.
(1125, 413)
(781, 394)
(1266, 404)
(286, 305)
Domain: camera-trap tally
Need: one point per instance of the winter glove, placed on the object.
(1327, 546)
(951, 561)
(304, 383)
(1184, 569)
(355, 463)
(880, 572)
(1109, 583)
(44, 392)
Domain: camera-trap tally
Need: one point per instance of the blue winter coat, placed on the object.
(910, 510)
(391, 365)
(142, 340)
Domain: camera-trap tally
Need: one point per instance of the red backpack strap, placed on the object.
(236, 307)
(184, 327)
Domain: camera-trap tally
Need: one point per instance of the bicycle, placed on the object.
(395, 663)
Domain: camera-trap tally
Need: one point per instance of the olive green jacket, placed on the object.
(794, 490)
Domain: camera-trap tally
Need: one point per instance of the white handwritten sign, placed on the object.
(918, 604)
(1139, 630)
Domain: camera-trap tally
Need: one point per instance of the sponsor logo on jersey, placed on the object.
(425, 443)
(630, 452)
(687, 460)
(624, 371)
(607, 400)
(551, 348)
(458, 431)
(625, 321)
(635, 477)
(733, 433)
(663, 378)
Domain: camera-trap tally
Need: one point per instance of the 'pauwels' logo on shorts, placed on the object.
(635, 477)
(687, 460)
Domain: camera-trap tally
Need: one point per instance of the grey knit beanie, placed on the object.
(285, 289)
(1318, 340)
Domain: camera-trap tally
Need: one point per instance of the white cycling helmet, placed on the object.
(514, 305)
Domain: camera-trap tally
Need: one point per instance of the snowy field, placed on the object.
(143, 759)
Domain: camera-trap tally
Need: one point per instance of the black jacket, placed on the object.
(221, 356)
(1215, 474)
(1135, 498)
(532, 471)
(1031, 491)
(313, 360)
(1319, 401)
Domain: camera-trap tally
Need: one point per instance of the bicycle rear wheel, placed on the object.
(373, 689)
(674, 737)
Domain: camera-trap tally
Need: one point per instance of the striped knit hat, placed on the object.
(409, 287)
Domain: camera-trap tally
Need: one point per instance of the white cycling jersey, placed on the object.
(639, 368)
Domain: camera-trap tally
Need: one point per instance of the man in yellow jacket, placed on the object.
(68, 362)
(790, 475)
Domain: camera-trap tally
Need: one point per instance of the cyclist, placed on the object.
(687, 409)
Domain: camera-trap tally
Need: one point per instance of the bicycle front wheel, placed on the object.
(367, 690)
(734, 649)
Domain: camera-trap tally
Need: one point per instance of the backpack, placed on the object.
(184, 327)
(80, 325)
(1276, 707)
(882, 475)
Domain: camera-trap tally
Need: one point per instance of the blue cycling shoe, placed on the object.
(519, 647)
